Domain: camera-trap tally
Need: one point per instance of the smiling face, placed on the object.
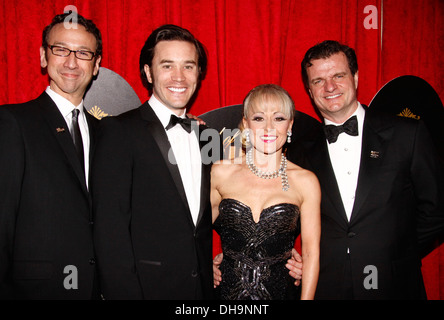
(174, 73)
(268, 124)
(333, 87)
(69, 76)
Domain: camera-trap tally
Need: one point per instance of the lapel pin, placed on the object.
(374, 154)
(60, 130)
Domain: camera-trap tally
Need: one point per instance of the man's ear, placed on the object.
(43, 61)
(97, 65)
(147, 70)
(309, 91)
(356, 78)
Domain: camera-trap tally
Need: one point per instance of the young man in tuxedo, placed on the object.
(382, 186)
(152, 230)
(45, 147)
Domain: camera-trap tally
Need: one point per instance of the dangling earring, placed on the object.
(288, 136)
(247, 137)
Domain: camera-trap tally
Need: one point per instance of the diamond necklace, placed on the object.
(281, 172)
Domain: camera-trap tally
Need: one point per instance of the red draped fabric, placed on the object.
(249, 42)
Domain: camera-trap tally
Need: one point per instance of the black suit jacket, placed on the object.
(147, 244)
(398, 209)
(45, 207)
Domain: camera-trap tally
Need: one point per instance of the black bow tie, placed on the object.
(350, 127)
(184, 122)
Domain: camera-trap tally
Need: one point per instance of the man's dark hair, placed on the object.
(324, 50)
(88, 24)
(169, 32)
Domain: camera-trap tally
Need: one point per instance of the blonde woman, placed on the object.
(258, 201)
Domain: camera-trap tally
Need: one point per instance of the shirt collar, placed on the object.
(359, 113)
(64, 105)
(161, 111)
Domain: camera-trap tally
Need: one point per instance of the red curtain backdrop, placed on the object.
(249, 42)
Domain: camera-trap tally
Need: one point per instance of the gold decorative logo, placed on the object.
(230, 148)
(97, 112)
(408, 114)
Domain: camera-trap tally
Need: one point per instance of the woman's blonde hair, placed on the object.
(265, 94)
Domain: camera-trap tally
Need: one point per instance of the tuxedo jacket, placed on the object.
(147, 244)
(46, 244)
(398, 210)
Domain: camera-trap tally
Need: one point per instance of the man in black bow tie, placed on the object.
(153, 229)
(350, 127)
(382, 186)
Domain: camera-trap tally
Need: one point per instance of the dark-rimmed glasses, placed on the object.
(64, 52)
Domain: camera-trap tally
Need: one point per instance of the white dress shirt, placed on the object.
(345, 156)
(186, 150)
(66, 107)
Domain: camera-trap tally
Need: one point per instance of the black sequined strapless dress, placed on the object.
(255, 254)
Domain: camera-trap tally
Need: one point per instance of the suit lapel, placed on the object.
(321, 165)
(375, 134)
(205, 180)
(158, 132)
(58, 127)
(93, 124)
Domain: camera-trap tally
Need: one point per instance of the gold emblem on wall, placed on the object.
(231, 150)
(97, 112)
(408, 114)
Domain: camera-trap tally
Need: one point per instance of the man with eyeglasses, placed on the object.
(46, 245)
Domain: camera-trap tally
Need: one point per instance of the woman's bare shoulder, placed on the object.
(226, 165)
(301, 174)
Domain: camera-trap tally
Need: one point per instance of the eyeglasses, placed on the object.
(64, 52)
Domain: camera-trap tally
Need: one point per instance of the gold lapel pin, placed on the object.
(374, 154)
(60, 130)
